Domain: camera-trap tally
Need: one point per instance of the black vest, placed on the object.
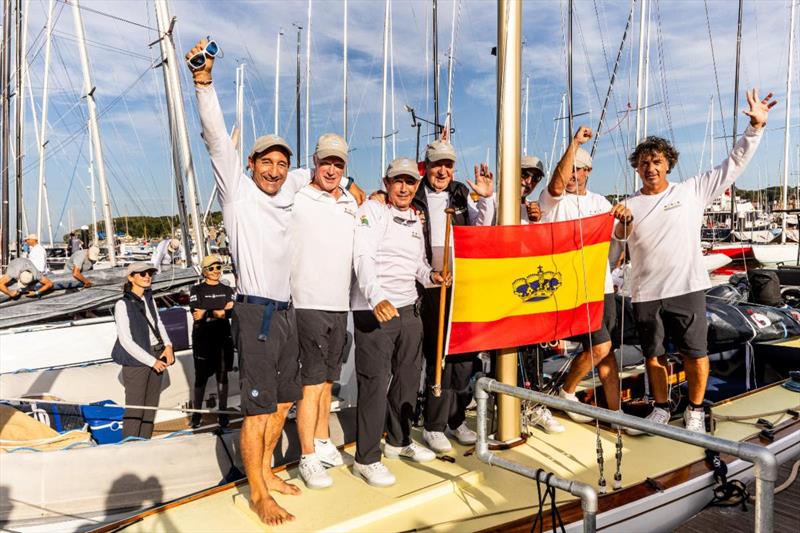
(459, 196)
(140, 330)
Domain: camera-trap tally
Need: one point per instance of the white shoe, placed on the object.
(436, 441)
(581, 419)
(694, 419)
(314, 474)
(463, 435)
(543, 418)
(376, 474)
(658, 415)
(416, 452)
(327, 453)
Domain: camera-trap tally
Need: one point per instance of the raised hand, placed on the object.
(202, 74)
(484, 181)
(583, 135)
(759, 108)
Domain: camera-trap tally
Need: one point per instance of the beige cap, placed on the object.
(174, 245)
(331, 145)
(403, 166)
(265, 142)
(25, 278)
(531, 161)
(93, 253)
(209, 260)
(439, 150)
(140, 266)
(32, 237)
(582, 159)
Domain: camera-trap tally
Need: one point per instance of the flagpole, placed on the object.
(437, 383)
(509, 77)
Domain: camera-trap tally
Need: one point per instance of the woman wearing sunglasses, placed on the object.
(212, 346)
(143, 348)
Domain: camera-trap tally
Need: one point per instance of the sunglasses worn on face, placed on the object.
(198, 60)
(213, 268)
(145, 274)
(535, 176)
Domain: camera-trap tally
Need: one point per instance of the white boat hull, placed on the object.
(771, 254)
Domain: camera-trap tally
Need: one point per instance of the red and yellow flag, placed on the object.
(519, 285)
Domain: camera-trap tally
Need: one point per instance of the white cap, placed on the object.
(331, 145)
(93, 253)
(403, 166)
(531, 161)
(174, 245)
(582, 159)
(32, 237)
(25, 277)
(439, 151)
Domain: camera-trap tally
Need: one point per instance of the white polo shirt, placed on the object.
(388, 256)
(666, 257)
(256, 223)
(321, 249)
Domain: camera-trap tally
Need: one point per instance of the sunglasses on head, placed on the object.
(213, 268)
(198, 60)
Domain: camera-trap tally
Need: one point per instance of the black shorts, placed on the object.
(680, 319)
(322, 336)
(606, 327)
(269, 371)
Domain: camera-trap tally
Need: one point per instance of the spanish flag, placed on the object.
(519, 285)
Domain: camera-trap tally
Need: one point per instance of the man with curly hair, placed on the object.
(668, 279)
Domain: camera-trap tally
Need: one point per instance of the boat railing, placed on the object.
(766, 465)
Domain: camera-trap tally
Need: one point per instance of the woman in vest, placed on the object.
(143, 349)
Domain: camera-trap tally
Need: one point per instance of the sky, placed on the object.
(684, 75)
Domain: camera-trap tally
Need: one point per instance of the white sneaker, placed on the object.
(376, 474)
(314, 474)
(416, 452)
(327, 453)
(658, 415)
(543, 418)
(463, 435)
(581, 419)
(436, 441)
(694, 419)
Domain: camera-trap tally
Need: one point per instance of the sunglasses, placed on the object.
(198, 61)
(535, 176)
(145, 274)
(213, 268)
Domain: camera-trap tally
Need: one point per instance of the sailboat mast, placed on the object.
(43, 128)
(509, 68)
(646, 100)
(736, 104)
(297, 96)
(570, 114)
(19, 124)
(5, 88)
(785, 183)
(527, 101)
(344, 76)
(277, 81)
(95, 240)
(308, 86)
(383, 97)
(451, 61)
(240, 112)
(391, 83)
(640, 71)
(94, 130)
(435, 39)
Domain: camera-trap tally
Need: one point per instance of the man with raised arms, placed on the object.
(567, 198)
(668, 279)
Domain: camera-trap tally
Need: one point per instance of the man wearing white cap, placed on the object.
(532, 173)
(168, 252)
(440, 191)
(567, 198)
(257, 212)
(25, 273)
(389, 259)
(82, 261)
(36, 252)
(321, 265)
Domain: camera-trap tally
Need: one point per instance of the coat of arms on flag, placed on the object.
(520, 285)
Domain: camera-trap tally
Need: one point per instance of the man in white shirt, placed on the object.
(168, 252)
(668, 278)
(321, 252)
(532, 173)
(36, 253)
(440, 191)
(22, 271)
(389, 259)
(567, 198)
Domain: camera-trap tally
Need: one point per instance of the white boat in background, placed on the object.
(715, 261)
(772, 254)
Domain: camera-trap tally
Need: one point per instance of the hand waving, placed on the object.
(759, 108)
(484, 181)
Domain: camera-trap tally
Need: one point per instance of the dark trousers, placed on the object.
(142, 387)
(450, 408)
(212, 350)
(388, 365)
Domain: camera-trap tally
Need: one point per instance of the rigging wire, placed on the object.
(716, 75)
(109, 15)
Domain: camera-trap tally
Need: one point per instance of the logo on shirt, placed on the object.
(364, 221)
(672, 205)
(538, 286)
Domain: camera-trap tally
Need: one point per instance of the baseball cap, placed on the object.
(439, 150)
(265, 142)
(174, 245)
(330, 144)
(531, 161)
(94, 253)
(582, 159)
(32, 237)
(140, 266)
(211, 260)
(25, 278)
(403, 166)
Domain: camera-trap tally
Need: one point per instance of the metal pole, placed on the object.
(736, 108)
(509, 68)
(5, 87)
(344, 76)
(94, 129)
(570, 125)
(277, 81)
(240, 113)
(308, 87)
(435, 39)
(640, 71)
(43, 128)
(527, 103)
(646, 74)
(19, 124)
(391, 82)
(383, 94)
(785, 181)
(450, 61)
(95, 240)
(297, 98)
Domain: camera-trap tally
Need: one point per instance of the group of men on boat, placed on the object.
(307, 249)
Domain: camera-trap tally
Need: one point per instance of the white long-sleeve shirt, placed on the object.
(666, 257)
(126, 340)
(162, 255)
(256, 223)
(388, 257)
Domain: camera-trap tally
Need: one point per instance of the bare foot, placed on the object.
(270, 512)
(278, 485)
